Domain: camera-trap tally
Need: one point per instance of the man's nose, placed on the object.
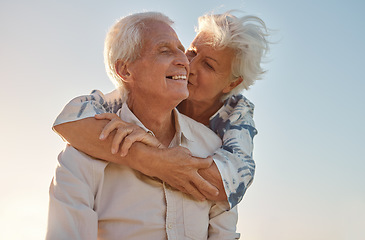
(182, 60)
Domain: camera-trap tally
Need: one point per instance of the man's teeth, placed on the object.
(183, 77)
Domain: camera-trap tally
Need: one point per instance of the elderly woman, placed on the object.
(225, 58)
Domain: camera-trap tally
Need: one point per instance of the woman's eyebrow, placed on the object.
(213, 59)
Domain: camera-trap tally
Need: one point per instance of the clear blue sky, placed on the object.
(310, 181)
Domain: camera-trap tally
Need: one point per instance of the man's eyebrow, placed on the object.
(163, 44)
(169, 44)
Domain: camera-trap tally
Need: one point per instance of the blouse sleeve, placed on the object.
(234, 124)
(88, 105)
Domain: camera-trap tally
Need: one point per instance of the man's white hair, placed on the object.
(124, 41)
(246, 35)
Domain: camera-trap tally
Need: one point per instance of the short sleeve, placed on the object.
(89, 105)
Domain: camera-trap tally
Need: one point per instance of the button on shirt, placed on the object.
(92, 199)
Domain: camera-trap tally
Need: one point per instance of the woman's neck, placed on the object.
(199, 111)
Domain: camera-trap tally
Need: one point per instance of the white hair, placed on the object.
(247, 36)
(124, 41)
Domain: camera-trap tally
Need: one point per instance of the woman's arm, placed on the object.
(180, 160)
(174, 166)
(234, 124)
(77, 125)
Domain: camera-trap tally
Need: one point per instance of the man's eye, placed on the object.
(164, 50)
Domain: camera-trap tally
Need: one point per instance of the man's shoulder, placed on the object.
(201, 138)
(197, 127)
(78, 162)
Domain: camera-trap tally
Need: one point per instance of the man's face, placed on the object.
(160, 73)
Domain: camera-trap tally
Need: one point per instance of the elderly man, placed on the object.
(92, 199)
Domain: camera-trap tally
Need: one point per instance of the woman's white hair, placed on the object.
(124, 42)
(247, 36)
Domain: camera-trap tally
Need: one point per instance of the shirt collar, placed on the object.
(128, 116)
(183, 130)
(182, 126)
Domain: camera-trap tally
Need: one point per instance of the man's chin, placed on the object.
(179, 97)
(183, 95)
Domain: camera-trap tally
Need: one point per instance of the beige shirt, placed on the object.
(92, 199)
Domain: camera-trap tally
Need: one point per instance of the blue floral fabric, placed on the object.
(233, 123)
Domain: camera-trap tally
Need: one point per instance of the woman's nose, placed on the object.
(192, 64)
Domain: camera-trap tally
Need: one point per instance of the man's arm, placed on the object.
(222, 224)
(72, 193)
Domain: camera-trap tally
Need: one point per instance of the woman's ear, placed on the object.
(232, 85)
(122, 70)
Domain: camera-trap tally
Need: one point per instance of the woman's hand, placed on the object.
(126, 134)
(177, 167)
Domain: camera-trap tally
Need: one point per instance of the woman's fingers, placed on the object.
(118, 139)
(180, 170)
(108, 116)
(200, 184)
(202, 162)
(110, 126)
(136, 135)
(185, 186)
(115, 123)
(204, 187)
(126, 134)
(139, 135)
(193, 191)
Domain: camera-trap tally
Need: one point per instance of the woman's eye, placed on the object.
(209, 66)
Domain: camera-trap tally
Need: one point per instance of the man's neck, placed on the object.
(200, 112)
(158, 119)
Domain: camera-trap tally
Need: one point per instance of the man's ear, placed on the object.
(122, 70)
(232, 85)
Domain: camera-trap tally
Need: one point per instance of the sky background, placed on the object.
(309, 182)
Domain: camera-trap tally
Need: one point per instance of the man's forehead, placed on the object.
(159, 34)
(157, 27)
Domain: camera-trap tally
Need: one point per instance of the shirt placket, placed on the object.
(171, 217)
(172, 201)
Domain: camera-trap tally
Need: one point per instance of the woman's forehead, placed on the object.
(202, 38)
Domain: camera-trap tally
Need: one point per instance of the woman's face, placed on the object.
(210, 70)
